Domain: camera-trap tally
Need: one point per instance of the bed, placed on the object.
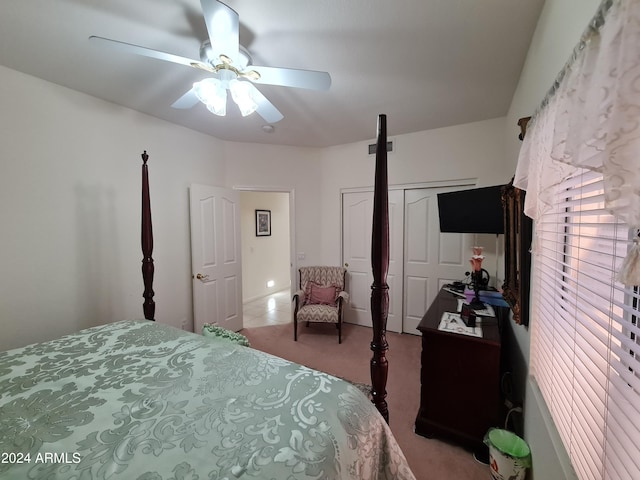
(142, 400)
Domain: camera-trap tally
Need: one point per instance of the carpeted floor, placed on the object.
(317, 347)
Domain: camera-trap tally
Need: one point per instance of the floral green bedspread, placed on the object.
(142, 400)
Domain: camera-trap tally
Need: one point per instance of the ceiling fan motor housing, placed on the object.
(207, 56)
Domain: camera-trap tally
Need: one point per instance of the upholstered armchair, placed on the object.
(320, 297)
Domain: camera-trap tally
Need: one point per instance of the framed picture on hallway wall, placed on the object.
(263, 223)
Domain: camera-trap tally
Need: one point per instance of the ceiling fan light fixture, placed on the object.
(223, 56)
(213, 94)
(241, 94)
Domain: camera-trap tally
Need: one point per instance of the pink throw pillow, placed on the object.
(323, 295)
(307, 292)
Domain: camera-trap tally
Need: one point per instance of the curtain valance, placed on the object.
(591, 119)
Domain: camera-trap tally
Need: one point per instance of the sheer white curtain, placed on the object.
(591, 119)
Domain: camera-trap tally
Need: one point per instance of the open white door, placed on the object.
(215, 257)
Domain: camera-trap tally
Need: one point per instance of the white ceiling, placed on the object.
(425, 63)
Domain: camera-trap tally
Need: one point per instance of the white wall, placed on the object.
(282, 168)
(70, 210)
(70, 207)
(559, 28)
(266, 257)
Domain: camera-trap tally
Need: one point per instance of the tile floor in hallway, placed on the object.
(273, 309)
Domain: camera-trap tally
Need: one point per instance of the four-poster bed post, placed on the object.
(380, 267)
(149, 306)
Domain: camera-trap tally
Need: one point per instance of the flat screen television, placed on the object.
(477, 210)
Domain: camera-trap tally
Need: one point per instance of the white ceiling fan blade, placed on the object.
(265, 109)
(188, 100)
(223, 27)
(289, 77)
(148, 52)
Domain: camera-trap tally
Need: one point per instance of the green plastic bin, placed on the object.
(509, 455)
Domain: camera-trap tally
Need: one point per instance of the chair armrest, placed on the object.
(344, 296)
(298, 297)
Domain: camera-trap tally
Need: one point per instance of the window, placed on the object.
(584, 331)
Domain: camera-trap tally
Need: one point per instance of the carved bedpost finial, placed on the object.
(145, 157)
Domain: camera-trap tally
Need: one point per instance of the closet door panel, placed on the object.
(431, 258)
(357, 219)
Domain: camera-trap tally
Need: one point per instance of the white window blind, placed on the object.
(584, 343)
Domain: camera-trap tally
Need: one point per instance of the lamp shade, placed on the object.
(241, 92)
(213, 94)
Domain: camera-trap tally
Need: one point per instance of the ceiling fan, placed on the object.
(231, 67)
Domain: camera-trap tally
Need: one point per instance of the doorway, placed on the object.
(266, 256)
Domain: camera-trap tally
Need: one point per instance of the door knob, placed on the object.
(202, 277)
(346, 265)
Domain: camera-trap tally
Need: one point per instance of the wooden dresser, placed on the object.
(460, 395)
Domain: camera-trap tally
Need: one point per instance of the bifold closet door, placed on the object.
(431, 258)
(357, 218)
(421, 259)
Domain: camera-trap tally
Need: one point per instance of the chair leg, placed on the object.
(339, 332)
(295, 329)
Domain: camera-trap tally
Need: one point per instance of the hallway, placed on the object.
(273, 309)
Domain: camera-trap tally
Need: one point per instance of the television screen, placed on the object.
(477, 210)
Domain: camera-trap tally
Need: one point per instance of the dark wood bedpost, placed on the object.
(149, 306)
(380, 267)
